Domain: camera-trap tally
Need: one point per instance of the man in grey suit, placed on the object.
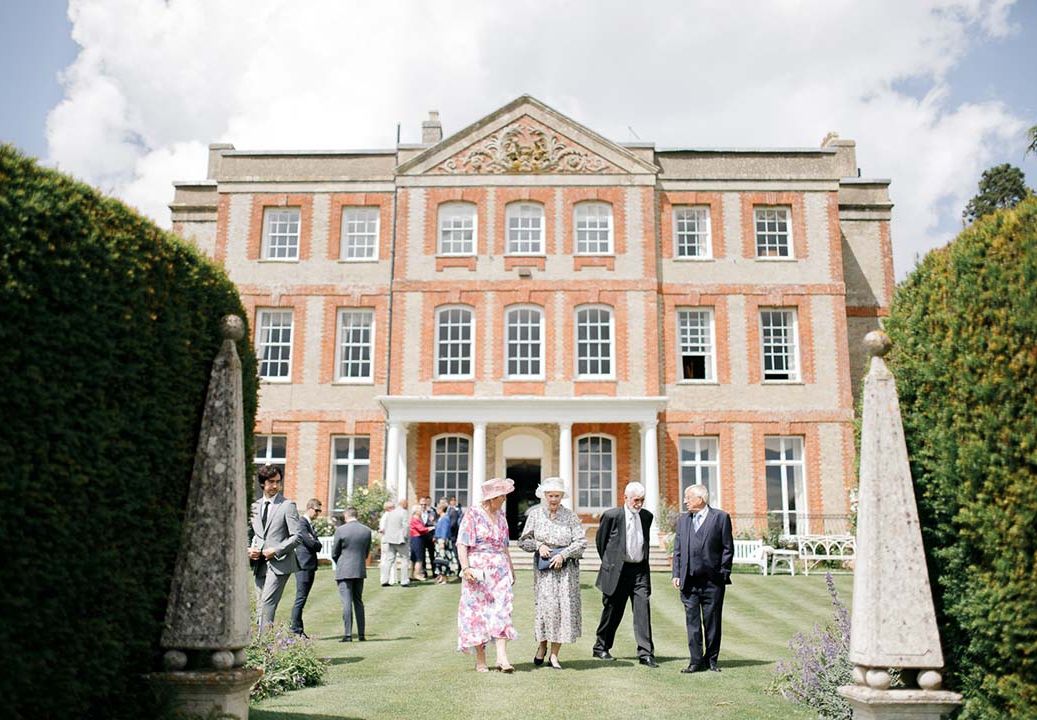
(349, 551)
(395, 539)
(275, 528)
(306, 553)
(703, 553)
(623, 544)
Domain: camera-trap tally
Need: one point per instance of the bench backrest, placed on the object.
(748, 549)
(827, 547)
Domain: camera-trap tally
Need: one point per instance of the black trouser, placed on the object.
(703, 610)
(428, 555)
(634, 585)
(351, 593)
(303, 584)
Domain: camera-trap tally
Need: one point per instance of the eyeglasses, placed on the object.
(317, 510)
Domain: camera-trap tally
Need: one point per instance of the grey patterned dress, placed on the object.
(557, 592)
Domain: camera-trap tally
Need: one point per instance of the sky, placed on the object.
(127, 94)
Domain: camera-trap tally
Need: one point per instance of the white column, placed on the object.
(392, 459)
(650, 473)
(401, 463)
(565, 461)
(478, 463)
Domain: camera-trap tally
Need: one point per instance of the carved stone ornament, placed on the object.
(524, 147)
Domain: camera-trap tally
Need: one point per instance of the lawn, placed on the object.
(409, 668)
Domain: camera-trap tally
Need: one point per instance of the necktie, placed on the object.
(266, 507)
(633, 538)
(697, 521)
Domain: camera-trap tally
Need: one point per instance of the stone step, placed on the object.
(658, 560)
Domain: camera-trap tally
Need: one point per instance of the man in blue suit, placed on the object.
(306, 553)
(703, 552)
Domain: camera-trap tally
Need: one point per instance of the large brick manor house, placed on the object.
(528, 298)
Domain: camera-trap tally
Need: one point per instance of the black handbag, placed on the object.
(544, 563)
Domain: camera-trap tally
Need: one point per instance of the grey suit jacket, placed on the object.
(350, 549)
(397, 526)
(281, 534)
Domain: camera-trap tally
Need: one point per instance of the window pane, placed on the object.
(454, 348)
(281, 233)
(779, 344)
(695, 335)
(274, 343)
(691, 230)
(524, 350)
(450, 474)
(457, 229)
(772, 232)
(355, 344)
(593, 342)
(593, 223)
(525, 228)
(359, 233)
(594, 477)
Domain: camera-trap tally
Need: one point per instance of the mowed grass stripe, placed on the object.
(409, 667)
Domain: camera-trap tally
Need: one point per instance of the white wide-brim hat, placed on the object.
(551, 484)
(495, 487)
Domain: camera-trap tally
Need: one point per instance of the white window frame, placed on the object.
(264, 455)
(696, 466)
(352, 463)
(711, 355)
(704, 235)
(802, 520)
(518, 212)
(791, 352)
(582, 215)
(440, 311)
(764, 210)
(452, 212)
(611, 375)
(509, 344)
(340, 346)
(462, 492)
(579, 473)
(272, 228)
(263, 343)
(360, 226)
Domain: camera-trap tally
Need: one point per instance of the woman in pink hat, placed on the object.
(484, 612)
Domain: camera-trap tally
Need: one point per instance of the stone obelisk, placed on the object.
(893, 623)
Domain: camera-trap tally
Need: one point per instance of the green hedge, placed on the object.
(108, 330)
(964, 331)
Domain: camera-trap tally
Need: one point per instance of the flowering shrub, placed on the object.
(323, 526)
(368, 501)
(288, 662)
(819, 665)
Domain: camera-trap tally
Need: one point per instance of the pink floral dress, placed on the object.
(484, 612)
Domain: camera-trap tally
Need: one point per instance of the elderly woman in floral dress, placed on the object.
(554, 531)
(484, 612)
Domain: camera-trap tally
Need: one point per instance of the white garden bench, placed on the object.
(751, 552)
(326, 544)
(817, 548)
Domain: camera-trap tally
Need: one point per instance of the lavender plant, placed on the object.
(819, 665)
(288, 662)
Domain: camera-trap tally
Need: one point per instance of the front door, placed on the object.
(526, 474)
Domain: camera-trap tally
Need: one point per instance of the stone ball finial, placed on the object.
(877, 343)
(232, 327)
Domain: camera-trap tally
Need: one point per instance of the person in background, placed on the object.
(441, 562)
(395, 534)
(275, 533)
(555, 535)
(306, 553)
(484, 611)
(418, 533)
(455, 523)
(429, 517)
(349, 550)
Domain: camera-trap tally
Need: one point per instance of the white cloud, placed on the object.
(155, 82)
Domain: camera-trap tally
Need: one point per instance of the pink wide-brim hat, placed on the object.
(495, 487)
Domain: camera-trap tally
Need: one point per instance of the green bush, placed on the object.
(964, 331)
(288, 661)
(108, 331)
(369, 503)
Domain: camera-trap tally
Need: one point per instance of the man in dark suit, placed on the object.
(702, 555)
(623, 543)
(275, 528)
(306, 553)
(349, 550)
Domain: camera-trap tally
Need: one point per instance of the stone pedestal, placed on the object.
(871, 704)
(219, 694)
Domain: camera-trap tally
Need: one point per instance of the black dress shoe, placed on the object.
(692, 669)
(362, 638)
(649, 661)
(714, 667)
(538, 661)
(603, 655)
(346, 638)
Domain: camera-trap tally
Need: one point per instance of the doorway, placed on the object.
(526, 474)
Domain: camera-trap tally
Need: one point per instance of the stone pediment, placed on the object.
(525, 146)
(526, 137)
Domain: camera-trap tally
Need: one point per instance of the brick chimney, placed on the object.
(431, 129)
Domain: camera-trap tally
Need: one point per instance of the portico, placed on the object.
(531, 430)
